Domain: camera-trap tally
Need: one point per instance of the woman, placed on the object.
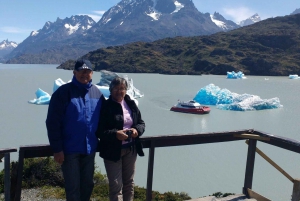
(119, 130)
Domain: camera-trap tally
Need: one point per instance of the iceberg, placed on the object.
(227, 100)
(234, 75)
(108, 76)
(294, 77)
(43, 98)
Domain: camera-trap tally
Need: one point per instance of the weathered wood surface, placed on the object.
(257, 196)
(8, 150)
(296, 190)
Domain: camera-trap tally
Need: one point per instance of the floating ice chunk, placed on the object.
(57, 83)
(226, 100)
(42, 98)
(104, 90)
(294, 76)
(108, 76)
(234, 75)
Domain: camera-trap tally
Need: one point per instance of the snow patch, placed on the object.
(218, 22)
(71, 29)
(178, 7)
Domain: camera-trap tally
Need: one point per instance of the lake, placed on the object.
(198, 170)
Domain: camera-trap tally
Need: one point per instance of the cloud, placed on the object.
(99, 12)
(14, 30)
(238, 14)
(97, 16)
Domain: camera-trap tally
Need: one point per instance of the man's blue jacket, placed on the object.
(73, 117)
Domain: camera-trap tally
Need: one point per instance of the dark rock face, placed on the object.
(165, 6)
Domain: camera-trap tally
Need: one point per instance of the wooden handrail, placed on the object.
(153, 142)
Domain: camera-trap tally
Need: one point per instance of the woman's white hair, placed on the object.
(117, 81)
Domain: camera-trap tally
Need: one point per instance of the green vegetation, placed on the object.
(270, 47)
(221, 195)
(45, 174)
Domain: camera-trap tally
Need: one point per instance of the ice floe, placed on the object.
(234, 75)
(227, 100)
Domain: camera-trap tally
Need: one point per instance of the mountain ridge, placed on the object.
(126, 22)
(270, 47)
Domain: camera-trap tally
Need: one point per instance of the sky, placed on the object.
(18, 18)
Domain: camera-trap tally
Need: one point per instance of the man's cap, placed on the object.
(83, 64)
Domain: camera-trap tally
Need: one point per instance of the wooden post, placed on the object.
(7, 177)
(19, 176)
(150, 171)
(249, 166)
(296, 190)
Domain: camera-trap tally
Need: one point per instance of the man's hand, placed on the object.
(59, 157)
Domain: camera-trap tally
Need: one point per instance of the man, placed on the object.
(72, 121)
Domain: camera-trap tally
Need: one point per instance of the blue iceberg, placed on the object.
(42, 98)
(234, 75)
(227, 100)
(294, 77)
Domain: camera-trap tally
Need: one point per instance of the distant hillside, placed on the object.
(269, 47)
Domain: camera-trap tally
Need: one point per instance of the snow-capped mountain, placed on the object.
(8, 45)
(221, 22)
(297, 11)
(148, 20)
(251, 20)
(64, 28)
(128, 21)
(54, 34)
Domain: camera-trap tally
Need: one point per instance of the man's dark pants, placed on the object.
(78, 171)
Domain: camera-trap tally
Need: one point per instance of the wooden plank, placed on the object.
(8, 150)
(18, 185)
(249, 165)
(273, 164)
(150, 171)
(7, 177)
(257, 196)
(191, 139)
(282, 142)
(296, 190)
(252, 136)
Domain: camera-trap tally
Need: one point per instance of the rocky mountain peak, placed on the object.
(64, 28)
(251, 20)
(297, 11)
(221, 22)
(6, 44)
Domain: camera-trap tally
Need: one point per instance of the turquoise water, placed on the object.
(199, 170)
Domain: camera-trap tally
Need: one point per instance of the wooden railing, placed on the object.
(153, 142)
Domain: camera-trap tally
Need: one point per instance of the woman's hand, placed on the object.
(134, 133)
(121, 135)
